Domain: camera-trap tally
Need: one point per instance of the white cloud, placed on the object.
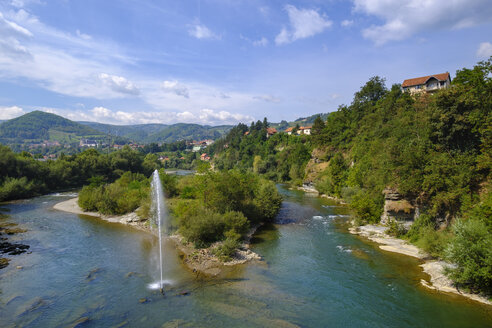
(304, 23)
(407, 18)
(7, 113)
(83, 35)
(267, 98)
(176, 88)
(203, 116)
(11, 35)
(119, 84)
(347, 23)
(283, 37)
(200, 31)
(23, 3)
(58, 61)
(484, 50)
(263, 42)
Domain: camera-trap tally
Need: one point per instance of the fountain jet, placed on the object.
(159, 216)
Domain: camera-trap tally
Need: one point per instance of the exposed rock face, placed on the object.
(397, 209)
(315, 166)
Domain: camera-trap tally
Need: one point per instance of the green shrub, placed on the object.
(471, 250)
(228, 247)
(16, 188)
(123, 196)
(267, 201)
(366, 207)
(396, 229)
(423, 234)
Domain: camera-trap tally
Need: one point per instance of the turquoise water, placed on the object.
(314, 274)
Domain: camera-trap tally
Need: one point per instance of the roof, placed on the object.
(424, 79)
(305, 127)
(289, 129)
(271, 130)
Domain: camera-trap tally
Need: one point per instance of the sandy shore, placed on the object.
(198, 260)
(71, 206)
(434, 268)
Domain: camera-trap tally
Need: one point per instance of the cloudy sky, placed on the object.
(223, 61)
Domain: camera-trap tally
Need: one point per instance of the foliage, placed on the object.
(123, 196)
(471, 251)
(22, 176)
(38, 125)
(221, 206)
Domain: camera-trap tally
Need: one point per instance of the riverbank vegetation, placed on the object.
(434, 149)
(220, 207)
(210, 208)
(22, 176)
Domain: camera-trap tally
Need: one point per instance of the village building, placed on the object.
(88, 143)
(270, 132)
(289, 130)
(305, 130)
(204, 157)
(430, 83)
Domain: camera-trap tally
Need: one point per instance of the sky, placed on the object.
(224, 61)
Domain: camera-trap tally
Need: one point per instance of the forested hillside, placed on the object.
(162, 133)
(38, 125)
(434, 149)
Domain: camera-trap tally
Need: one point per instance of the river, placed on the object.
(81, 271)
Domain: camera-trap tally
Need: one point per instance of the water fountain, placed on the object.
(159, 215)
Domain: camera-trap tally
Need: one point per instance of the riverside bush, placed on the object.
(123, 196)
(471, 250)
(221, 206)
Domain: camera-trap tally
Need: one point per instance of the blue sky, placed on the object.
(223, 61)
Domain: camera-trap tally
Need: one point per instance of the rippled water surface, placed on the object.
(314, 274)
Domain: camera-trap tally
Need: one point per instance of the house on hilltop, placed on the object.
(430, 83)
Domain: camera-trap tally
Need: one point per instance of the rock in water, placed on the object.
(3, 262)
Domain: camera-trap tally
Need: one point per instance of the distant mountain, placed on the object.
(184, 131)
(37, 126)
(147, 133)
(137, 132)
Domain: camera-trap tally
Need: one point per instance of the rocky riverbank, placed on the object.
(198, 260)
(205, 262)
(434, 268)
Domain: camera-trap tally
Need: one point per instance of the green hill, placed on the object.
(147, 133)
(184, 131)
(137, 132)
(306, 121)
(38, 126)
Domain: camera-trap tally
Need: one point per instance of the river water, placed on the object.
(84, 272)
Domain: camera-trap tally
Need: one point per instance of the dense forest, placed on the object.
(23, 176)
(434, 149)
